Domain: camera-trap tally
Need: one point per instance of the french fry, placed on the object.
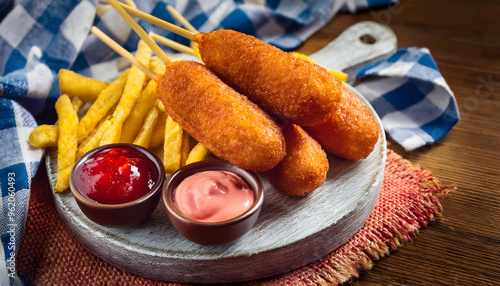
(94, 139)
(337, 74)
(101, 9)
(77, 103)
(139, 112)
(198, 153)
(172, 146)
(67, 141)
(76, 85)
(144, 136)
(156, 65)
(45, 135)
(101, 106)
(194, 46)
(161, 106)
(158, 136)
(142, 106)
(131, 92)
(187, 145)
(303, 56)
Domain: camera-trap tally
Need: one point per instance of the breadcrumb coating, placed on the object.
(228, 124)
(350, 132)
(304, 167)
(288, 87)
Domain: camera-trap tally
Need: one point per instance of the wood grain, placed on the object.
(276, 244)
(463, 247)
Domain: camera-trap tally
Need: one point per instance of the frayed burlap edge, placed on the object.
(409, 200)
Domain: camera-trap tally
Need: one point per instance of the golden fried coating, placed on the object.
(286, 86)
(350, 132)
(304, 167)
(224, 121)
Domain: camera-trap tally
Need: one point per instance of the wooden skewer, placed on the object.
(121, 51)
(172, 44)
(131, 3)
(138, 29)
(181, 18)
(101, 9)
(155, 21)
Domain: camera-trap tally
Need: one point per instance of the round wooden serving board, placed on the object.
(290, 232)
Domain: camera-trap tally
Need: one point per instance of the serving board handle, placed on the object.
(362, 42)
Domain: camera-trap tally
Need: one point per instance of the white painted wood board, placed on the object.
(290, 232)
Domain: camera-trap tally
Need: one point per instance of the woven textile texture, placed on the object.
(409, 200)
(40, 37)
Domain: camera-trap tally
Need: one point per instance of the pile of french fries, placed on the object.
(124, 111)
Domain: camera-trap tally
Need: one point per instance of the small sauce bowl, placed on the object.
(219, 232)
(120, 214)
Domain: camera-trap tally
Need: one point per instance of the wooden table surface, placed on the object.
(463, 247)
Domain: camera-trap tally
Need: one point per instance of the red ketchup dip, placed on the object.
(213, 196)
(116, 176)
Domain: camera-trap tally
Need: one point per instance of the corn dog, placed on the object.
(350, 132)
(304, 167)
(286, 86)
(228, 124)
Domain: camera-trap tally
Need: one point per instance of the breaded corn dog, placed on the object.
(350, 132)
(286, 86)
(304, 167)
(228, 124)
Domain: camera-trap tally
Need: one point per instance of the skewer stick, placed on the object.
(101, 9)
(121, 51)
(172, 44)
(131, 3)
(155, 21)
(138, 29)
(181, 18)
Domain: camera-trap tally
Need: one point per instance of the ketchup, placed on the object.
(213, 196)
(115, 176)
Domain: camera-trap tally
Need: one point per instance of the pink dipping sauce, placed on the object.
(213, 196)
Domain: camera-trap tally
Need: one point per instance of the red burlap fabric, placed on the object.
(409, 200)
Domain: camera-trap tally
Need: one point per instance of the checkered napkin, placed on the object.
(285, 24)
(39, 37)
(410, 95)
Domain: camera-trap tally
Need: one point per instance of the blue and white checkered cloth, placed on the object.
(39, 37)
(411, 97)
